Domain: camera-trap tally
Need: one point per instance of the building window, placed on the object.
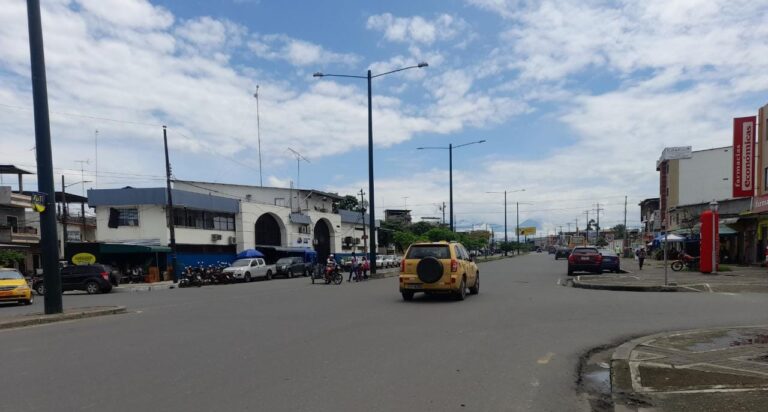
(13, 223)
(128, 217)
(198, 219)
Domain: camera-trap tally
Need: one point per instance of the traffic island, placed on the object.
(68, 314)
(703, 370)
(652, 279)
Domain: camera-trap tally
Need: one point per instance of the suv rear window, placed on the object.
(436, 251)
(584, 251)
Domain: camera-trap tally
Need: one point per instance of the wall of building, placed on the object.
(152, 225)
(250, 213)
(274, 196)
(705, 176)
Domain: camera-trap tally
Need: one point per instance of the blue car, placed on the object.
(611, 261)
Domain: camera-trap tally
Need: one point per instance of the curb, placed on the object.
(40, 319)
(621, 377)
(577, 283)
(142, 288)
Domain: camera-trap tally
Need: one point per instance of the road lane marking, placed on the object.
(545, 359)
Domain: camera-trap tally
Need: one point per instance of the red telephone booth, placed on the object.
(710, 241)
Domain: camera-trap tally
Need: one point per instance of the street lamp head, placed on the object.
(318, 74)
(422, 64)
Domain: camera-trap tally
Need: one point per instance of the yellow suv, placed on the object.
(439, 267)
(13, 287)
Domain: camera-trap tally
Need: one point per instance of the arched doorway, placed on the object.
(268, 230)
(323, 239)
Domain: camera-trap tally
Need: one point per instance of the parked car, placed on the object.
(438, 267)
(611, 261)
(562, 252)
(538, 249)
(14, 287)
(250, 268)
(389, 261)
(95, 278)
(585, 259)
(380, 261)
(291, 266)
(551, 249)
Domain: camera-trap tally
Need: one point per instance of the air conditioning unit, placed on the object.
(232, 240)
(215, 237)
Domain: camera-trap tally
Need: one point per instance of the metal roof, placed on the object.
(130, 196)
(13, 170)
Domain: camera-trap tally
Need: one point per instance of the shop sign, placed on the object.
(760, 204)
(83, 259)
(743, 156)
(527, 231)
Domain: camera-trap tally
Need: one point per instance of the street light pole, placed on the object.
(450, 171)
(506, 240)
(517, 226)
(371, 206)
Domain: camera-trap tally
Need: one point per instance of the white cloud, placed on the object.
(297, 52)
(417, 29)
(136, 14)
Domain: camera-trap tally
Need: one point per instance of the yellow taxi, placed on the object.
(438, 267)
(14, 288)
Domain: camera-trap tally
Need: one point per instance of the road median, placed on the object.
(68, 314)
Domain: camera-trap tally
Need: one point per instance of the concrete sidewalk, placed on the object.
(734, 279)
(20, 321)
(721, 369)
(144, 287)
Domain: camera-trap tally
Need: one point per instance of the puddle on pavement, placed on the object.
(596, 379)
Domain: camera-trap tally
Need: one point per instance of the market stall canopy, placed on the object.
(249, 253)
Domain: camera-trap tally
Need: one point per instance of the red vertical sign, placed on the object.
(743, 156)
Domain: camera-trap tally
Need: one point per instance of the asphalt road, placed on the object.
(287, 345)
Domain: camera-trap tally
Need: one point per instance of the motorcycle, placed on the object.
(333, 274)
(191, 278)
(691, 262)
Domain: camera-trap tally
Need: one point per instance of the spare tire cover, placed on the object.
(429, 269)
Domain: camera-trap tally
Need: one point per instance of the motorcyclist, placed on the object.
(330, 266)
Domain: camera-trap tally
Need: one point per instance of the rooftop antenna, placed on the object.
(258, 131)
(299, 158)
(82, 174)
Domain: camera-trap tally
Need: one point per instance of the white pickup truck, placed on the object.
(249, 269)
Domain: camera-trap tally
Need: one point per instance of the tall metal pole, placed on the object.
(506, 241)
(49, 244)
(258, 132)
(171, 226)
(63, 217)
(517, 226)
(626, 232)
(450, 180)
(371, 206)
(362, 219)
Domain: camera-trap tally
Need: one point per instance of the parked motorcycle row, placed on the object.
(202, 275)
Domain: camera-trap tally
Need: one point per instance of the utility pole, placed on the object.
(598, 210)
(506, 241)
(63, 216)
(626, 232)
(96, 158)
(362, 217)
(82, 193)
(577, 226)
(258, 131)
(450, 181)
(587, 228)
(49, 244)
(171, 226)
(517, 225)
(443, 210)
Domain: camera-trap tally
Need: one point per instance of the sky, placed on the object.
(575, 99)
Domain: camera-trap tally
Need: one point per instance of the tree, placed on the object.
(10, 257)
(420, 228)
(403, 239)
(349, 202)
(437, 234)
(620, 231)
(601, 242)
(506, 246)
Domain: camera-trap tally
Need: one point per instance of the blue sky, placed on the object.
(576, 99)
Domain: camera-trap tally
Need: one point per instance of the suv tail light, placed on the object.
(599, 258)
(105, 275)
(402, 265)
(454, 265)
(571, 258)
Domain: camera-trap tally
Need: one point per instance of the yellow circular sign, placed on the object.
(83, 259)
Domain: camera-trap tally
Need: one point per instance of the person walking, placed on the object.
(364, 267)
(352, 268)
(641, 257)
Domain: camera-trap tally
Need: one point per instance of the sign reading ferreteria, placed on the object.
(743, 156)
(678, 152)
